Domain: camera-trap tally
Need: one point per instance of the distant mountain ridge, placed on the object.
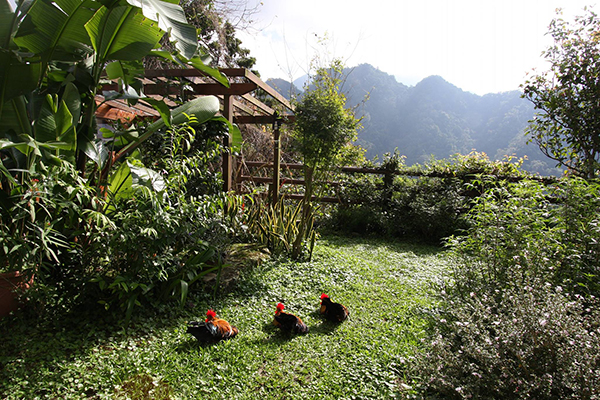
(435, 118)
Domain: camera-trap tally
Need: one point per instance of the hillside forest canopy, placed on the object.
(436, 118)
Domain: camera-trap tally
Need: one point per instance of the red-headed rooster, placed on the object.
(288, 322)
(212, 329)
(334, 312)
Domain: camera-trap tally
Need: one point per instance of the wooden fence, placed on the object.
(275, 180)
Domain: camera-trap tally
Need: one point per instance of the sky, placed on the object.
(480, 46)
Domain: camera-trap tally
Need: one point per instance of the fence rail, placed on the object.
(466, 177)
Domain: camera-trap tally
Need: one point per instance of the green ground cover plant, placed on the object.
(386, 285)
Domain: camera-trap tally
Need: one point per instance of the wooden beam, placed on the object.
(172, 72)
(243, 107)
(239, 72)
(242, 72)
(276, 163)
(253, 100)
(272, 92)
(261, 164)
(269, 179)
(253, 119)
(165, 89)
(218, 89)
(227, 159)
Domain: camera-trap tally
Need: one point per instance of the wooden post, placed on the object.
(227, 159)
(276, 162)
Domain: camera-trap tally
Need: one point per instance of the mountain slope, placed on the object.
(436, 118)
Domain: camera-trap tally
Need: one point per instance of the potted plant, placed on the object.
(12, 285)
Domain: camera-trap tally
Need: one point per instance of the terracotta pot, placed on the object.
(12, 285)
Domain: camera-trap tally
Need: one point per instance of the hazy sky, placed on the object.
(481, 46)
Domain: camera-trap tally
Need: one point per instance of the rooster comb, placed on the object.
(280, 306)
(211, 313)
(324, 296)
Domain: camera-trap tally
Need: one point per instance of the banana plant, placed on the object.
(54, 53)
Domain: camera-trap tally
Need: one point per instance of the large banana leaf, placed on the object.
(123, 181)
(14, 117)
(56, 121)
(171, 18)
(55, 28)
(200, 63)
(120, 182)
(6, 19)
(16, 76)
(122, 33)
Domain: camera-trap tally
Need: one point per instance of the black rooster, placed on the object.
(212, 329)
(288, 322)
(334, 312)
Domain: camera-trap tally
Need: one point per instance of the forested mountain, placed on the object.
(436, 118)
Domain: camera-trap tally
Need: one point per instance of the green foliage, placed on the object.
(41, 214)
(156, 251)
(135, 231)
(164, 239)
(429, 206)
(323, 127)
(324, 130)
(213, 19)
(519, 313)
(277, 228)
(526, 342)
(200, 173)
(566, 126)
(55, 56)
(526, 232)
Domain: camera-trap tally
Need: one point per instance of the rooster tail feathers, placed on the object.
(300, 327)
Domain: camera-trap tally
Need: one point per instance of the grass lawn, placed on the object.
(385, 285)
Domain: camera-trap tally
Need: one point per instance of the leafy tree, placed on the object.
(567, 96)
(323, 132)
(216, 31)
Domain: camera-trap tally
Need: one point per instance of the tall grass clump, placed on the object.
(276, 227)
(519, 316)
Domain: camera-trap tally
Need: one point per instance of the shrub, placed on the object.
(526, 342)
(157, 251)
(529, 231)
(426, 202)
(277, 227)
(46, 215)
(163, 242)
(519, 313)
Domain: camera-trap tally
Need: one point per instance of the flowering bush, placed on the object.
(519, 315)
(529, 342)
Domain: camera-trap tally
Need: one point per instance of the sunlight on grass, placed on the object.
(385, 286)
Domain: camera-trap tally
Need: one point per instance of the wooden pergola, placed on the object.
(239, 104)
